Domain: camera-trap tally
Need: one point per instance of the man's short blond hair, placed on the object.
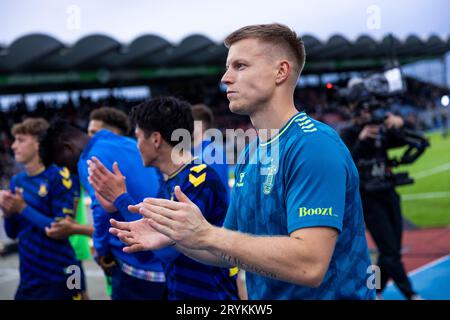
(278, 35)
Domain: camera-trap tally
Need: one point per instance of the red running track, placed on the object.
(421, 246)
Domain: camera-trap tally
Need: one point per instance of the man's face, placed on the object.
(146, 147)
(94, 127)
(250, 76)
(25, 148)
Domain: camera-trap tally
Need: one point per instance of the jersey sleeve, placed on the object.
(61, 191)
(36, 218)
(12, 226)
(315, 183)
(207, 191)
(121, 203)
(63, 194)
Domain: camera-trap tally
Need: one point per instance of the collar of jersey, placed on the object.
(283, 129)
(181, 168)
(38, 172)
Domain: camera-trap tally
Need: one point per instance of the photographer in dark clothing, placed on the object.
(368, 141)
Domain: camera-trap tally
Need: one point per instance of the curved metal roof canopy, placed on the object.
(36, 58)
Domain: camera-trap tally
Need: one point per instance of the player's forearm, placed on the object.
(205, 257)
(36, 218)
(121, 203)
(281, 258)
(85, 230)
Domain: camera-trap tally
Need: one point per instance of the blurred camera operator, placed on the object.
(368, 140)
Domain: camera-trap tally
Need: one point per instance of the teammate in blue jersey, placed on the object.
(156, 120)
(295, 221)
(133, 276)
(115, 121)
(37, 197)
(208, 151)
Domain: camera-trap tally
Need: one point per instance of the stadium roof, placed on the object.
(38, 58)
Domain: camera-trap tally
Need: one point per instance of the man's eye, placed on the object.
(240, 66)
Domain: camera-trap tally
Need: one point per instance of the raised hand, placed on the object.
(139, 235)
(108, 184)
(4, 194)
(181, 221)
(61, 229)
(13, 202)
(107, 205)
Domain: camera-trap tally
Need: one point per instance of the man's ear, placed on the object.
(283, 72)
(156, 139)
(68, 147)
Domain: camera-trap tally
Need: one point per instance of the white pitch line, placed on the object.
(429, 265)
(423, 268)
(428, 195)
(429, 172)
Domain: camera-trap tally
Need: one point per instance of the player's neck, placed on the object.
(34, 167)
(171, 162)
(272, 118)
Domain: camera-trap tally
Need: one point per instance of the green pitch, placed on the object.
(426, 203)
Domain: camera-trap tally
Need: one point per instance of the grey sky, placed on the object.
(176, 19)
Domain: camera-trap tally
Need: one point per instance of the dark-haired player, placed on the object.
(108, 118)
(134, 276)
(295, 221)
(156, 121)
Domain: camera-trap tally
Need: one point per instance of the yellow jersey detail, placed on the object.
(67, 183)
(43, 190)
(199, 168)
(234, 271)
(78, 296)
(196, 181)
(67, 211)
(65, 173)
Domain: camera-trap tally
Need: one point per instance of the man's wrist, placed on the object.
(81, 229)
(118, 195)
(76, 229)
(21, 209)
(213, 238)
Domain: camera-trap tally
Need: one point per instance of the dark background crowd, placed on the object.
(420, 105)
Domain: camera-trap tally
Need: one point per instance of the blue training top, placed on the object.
(141, 182)
(48, 195)
(303, 177)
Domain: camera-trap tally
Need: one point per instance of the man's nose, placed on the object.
(227, 78)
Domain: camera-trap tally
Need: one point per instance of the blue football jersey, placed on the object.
(301, 178)
(49, 195)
